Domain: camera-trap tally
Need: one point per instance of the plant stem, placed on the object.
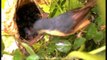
(98, 50)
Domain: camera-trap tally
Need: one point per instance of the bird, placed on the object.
(64, 24)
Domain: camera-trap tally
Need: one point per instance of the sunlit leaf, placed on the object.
(84, 56)
(37, 46)
(63, 46)
(28, 48)
(8, 40)
(3, 3)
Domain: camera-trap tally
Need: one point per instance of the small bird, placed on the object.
(64, 24)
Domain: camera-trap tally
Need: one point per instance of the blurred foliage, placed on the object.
(3, 3)
(63, 46)
(32, 57)
(2, 47)
(61, 6)
(84, 56)
(102, 6)
(28, 49)
(78, 42)
(7, 41)
(70, 47)
(18, 55)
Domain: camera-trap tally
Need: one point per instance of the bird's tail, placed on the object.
(82, 12)
(89, 4)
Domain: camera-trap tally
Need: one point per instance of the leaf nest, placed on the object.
(15, 20)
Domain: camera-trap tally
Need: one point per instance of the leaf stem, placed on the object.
(98, 50)
(59, 7)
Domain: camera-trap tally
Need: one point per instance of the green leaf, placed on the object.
(98, 36)
(45, 8)
(102, 5)
(78, 42)
(56, 39)
(33, 57)
(61, 6)
(42, 52)
(2, 46)
(46, 38)
(99, 22)
(28, 48)
(17, 55)
(51, 48)
(95, 9)
(54, 13)
(37, 46)
(83, 56)
(75, 4)
(63, 46)
(92, 30)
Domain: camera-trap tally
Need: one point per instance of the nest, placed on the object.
(19, 19)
